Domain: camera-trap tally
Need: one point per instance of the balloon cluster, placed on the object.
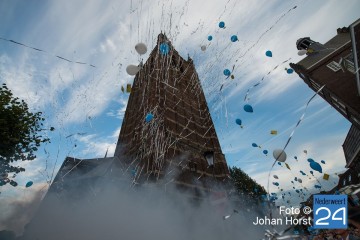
(233, 38)
(141, 49)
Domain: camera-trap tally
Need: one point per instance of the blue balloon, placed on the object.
(227, 72)
(149, 117)
(322, 161)
(248, 108)
(13, 183)
(295, 157)
(312, 172)
(290, 70)
(310, 160)
(316, 166)
(268, 53)
(29, 184)
(221, 24)
(234, 38)
(254, 145)
(265, 151)
(279, 163)
(164, 48)
(297, 191)
(210, 37)
(238, 121)
(317, 186)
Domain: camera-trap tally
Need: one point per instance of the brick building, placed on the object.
(181, 136)
(335, 65)
(351, 148)
(179, 143)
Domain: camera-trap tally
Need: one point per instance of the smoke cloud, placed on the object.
(21, 211)
(111, 208)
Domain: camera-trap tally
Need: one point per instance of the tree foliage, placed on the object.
(245, 185)
(20, 134)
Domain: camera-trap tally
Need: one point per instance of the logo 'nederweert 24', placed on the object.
(330, 211)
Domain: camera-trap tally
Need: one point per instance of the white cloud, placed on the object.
(105, 35)
(97, 146)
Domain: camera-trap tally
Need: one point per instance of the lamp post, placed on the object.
(209, 156)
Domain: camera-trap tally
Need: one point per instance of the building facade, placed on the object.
(332, 64)
(335, 67)
(167, 128)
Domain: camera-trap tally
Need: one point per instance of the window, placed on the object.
(344, 182)
(338, 104)
(334, 66)
(349, 178)
(348, 63)
(349, 66)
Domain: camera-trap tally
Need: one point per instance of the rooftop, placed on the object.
(340, 40)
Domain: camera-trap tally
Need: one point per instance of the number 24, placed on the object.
(318, 222)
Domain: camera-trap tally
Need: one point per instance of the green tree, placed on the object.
(20, 134)
(245, 185)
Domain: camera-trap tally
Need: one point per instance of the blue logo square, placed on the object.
(330, 211)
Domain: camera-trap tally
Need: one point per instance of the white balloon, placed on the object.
(132, 70)
(203, 48)
(141, 48)
(276, 177)
(299, 180)
(302, 52)
(279, 155)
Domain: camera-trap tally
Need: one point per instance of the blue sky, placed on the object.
(80, 99)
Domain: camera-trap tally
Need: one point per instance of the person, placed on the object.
(345, 234)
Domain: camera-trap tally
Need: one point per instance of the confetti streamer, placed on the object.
(40, 50)
(291, 134)
(262, 79)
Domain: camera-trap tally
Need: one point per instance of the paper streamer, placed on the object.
(40, 50)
